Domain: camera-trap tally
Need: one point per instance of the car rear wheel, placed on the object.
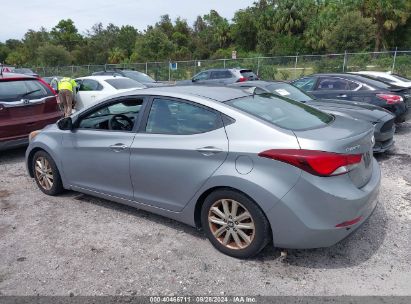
(46, 174)
(234, 224)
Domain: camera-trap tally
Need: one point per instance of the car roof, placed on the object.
(225, 69)
(8, 76)
(216, 93)
(102, 77)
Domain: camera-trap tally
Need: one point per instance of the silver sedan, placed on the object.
(246, 168)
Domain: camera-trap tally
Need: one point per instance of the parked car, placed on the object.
(388, 77)
(383, 120)
(135, 75)
(221, 76)
(26, 104)
(91, 89)
(350, 87)
(246, 168)
(25, 71)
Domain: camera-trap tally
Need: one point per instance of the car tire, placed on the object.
(242, 231)
(46, 174)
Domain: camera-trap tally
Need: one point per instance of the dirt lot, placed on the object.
(76, 244)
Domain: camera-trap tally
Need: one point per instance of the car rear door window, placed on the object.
(90, 85)
(15, 90)
(220, 75)
(169, 116)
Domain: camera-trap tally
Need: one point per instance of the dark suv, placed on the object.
(26, 104)
(221, 76)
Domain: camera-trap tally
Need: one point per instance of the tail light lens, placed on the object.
(318, 163)
(349, 223)
(242, 79)
(390, 98)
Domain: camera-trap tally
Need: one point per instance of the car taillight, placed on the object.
(349, 223)
(390, 98)
(318, 163)
(242, 79)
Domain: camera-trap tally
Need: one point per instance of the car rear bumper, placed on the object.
(308, 214)
(384, 135)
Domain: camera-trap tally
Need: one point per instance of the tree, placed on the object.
(387, 15)
(66, 34)
(352, 32)
(53, 55)
(154, 45)
(244, 30)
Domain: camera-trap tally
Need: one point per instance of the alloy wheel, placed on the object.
(44, 173)
(231, 224)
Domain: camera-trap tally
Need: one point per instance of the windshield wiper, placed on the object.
(29, 92)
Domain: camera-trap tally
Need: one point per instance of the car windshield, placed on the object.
(282, 112)
(248, 74)
(138, 76)
(124, 83)
(289, 91)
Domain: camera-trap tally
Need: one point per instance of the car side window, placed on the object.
(306, 83)
(220, 74)
(201, 76)
(119, 116)
(333, 84)
(90, 85)
(180, 118)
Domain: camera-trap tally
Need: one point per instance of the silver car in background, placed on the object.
(247, 168)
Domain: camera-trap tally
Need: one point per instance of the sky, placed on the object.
(17, 16)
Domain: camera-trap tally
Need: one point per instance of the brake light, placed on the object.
(318, 163)
(242, 79)
(390, 98)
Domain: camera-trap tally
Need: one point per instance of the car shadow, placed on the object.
(12, 156)
(354, 250)
(403, 128)
(139, 213)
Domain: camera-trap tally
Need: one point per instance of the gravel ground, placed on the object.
(75, 244)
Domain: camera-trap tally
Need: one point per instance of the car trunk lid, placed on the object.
(344, 136)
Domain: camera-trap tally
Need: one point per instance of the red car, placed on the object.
(26, 104)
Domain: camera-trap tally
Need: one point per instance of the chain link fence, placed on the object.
(278, 68)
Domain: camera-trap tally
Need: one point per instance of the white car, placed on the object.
(387, 77)
(92, 89)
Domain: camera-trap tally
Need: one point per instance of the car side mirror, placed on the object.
(65, 123)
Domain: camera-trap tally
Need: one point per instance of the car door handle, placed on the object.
(342, 95)
(118, 147)
(208, 151)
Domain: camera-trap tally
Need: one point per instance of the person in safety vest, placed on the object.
(67, 90)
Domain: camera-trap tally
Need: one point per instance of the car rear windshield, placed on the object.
(15, 90)
(282, 112)
(140, 77)
(289, 91)
(248, 74)
(401, 78)
(124, 83)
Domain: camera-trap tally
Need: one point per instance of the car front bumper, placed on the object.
(308, 214)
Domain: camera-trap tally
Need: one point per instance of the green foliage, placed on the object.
(53, 55)
(352, 32)
(266, 28)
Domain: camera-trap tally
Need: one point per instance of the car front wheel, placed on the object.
(46, 174)
(234, 224)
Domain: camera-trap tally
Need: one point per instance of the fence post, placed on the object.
(258, 66)
(146, 68)
(345, 60)
(295, 66)
(169, 70)
(395, 58)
